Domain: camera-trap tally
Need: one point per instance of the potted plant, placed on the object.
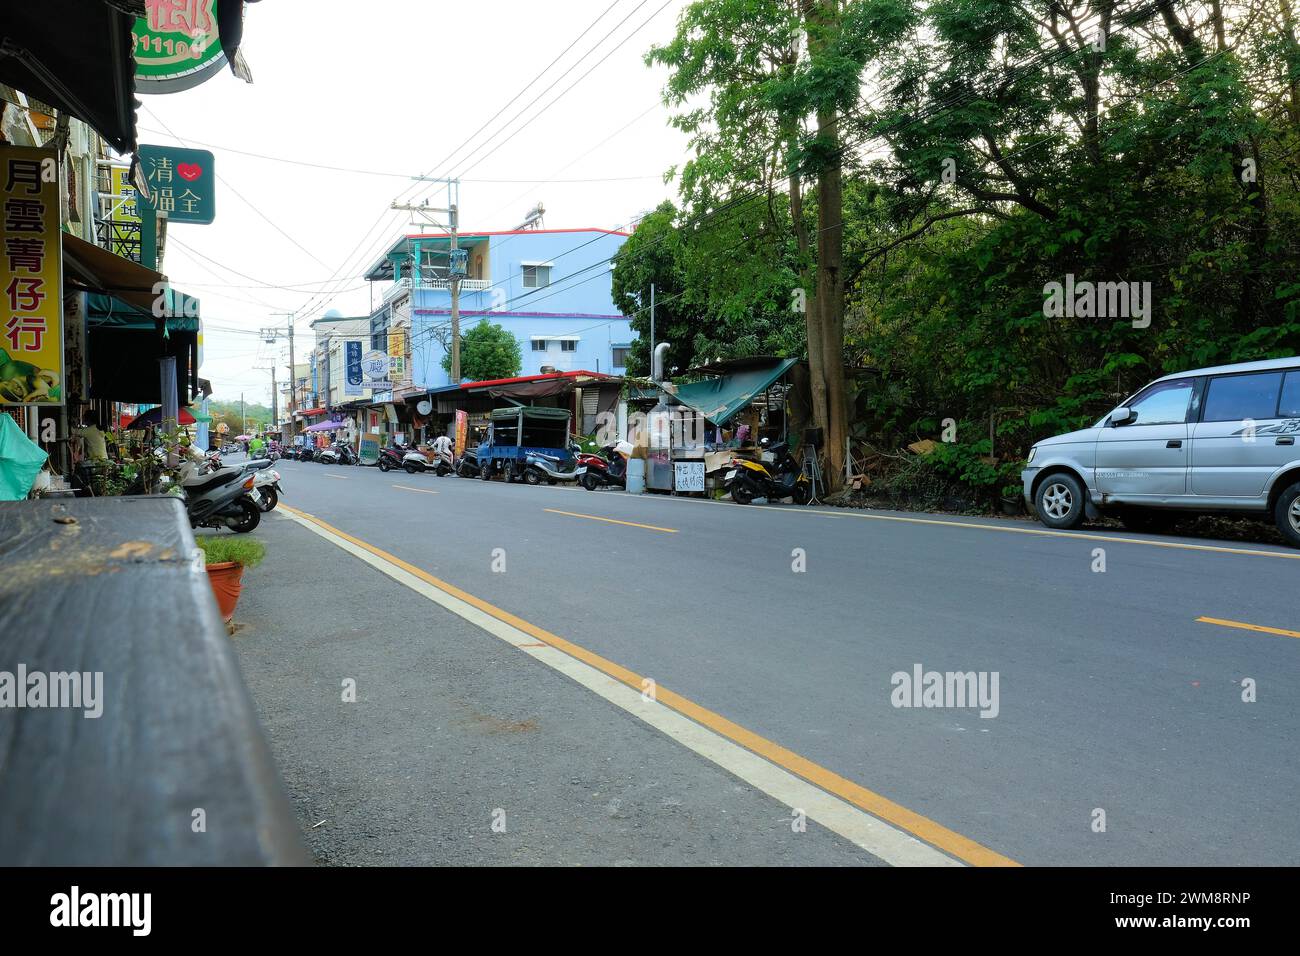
(226, 560)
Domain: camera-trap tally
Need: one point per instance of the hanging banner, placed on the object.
(462, 430)
(182, 183)
(31, 327)
(352, 377)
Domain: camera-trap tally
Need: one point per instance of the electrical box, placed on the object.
(459, 262)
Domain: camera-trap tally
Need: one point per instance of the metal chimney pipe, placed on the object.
(657, 367)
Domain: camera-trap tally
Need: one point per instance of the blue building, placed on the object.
(549, 287)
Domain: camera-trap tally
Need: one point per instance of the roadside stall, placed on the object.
(696, 428)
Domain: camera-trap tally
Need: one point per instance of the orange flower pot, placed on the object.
(227, 582)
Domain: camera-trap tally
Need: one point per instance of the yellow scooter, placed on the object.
(781, 478)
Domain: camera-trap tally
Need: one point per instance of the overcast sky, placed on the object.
(396, 87)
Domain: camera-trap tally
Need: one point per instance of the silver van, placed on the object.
(1210, 440)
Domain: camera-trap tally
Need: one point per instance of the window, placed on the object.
(536, 275)
(568, 345)
(1163, 404)
(1290, 405)
(539, 345)
(1234, 398)
(620, 356)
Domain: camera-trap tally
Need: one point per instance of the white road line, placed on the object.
(881, 839)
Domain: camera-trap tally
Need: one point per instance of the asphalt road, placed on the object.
(1121, 735)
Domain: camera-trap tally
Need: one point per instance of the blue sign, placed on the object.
(352, 365)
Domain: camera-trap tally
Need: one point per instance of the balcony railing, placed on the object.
(403, 286)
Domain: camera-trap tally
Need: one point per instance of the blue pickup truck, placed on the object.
(528, 443)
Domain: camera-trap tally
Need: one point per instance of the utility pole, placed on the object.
(453, 270)
(269, 336)
(453, 274)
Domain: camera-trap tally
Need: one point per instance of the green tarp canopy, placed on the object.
(718, 399)
(107, 311)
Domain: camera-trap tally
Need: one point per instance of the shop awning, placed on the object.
(75, 55)
(124, 343)
(325, 426)
(108, 311)
(101, 271)
(718, 399)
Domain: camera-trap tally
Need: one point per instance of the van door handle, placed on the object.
(1174, 443)
(1286, 440)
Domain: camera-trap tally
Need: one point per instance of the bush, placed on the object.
(220, 549)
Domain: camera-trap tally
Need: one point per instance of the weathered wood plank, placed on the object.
(109, 586)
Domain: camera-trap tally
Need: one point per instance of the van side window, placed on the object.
(1290, 405)
(1163, 404)
(1235, 398)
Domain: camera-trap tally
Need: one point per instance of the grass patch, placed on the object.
(240, 550)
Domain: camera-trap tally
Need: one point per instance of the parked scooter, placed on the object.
(339, 453)
(390, 458)
(444, 462)
(266, 485)
(608, 468)
(780, 478)
(221, 500)
(539, 467)
(467, 466)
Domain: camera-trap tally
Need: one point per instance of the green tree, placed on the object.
(487, 351)
(778, 76)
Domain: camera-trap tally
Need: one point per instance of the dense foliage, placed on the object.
(995, 148)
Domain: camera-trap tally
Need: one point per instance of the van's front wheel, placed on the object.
(1060, 502)
(1287, 514)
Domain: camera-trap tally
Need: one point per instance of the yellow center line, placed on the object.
(423, 491)
(936, 834)
(633, 524)
(1248, 627)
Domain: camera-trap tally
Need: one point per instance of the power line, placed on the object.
(241, 197)
(310, 304)
(596, 65)
(375, 172)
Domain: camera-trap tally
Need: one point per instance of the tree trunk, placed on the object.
(830, 302)
(816, 381)
(826, 310)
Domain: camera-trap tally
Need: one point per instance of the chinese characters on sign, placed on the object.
(31, 329)
(180, 183)
(122, 215)
(177, 45)
(352, 377)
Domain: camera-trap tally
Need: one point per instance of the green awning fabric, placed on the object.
(108, 311)
(718, 399)
(530, 411)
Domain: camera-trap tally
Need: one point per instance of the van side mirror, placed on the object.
(1121, 416)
